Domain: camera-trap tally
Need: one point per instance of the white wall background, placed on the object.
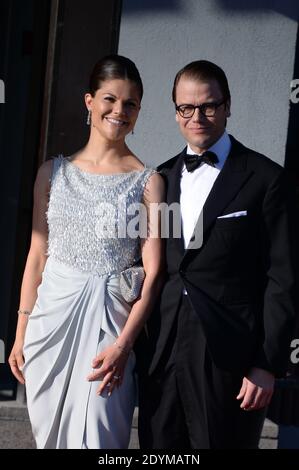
(254, 42)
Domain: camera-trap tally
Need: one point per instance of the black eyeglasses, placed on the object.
(206, 109)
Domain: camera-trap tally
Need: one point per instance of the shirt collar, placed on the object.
(221, 148)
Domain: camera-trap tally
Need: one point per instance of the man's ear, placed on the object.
(176, 116)
(227, 108)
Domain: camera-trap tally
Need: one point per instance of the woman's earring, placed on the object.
(132, 132)
(88, 121)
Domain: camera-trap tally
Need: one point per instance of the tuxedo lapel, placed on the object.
(228, 183)
(173, 176)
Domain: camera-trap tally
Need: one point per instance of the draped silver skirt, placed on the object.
(76, 316)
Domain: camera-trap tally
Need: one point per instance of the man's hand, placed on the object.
(257, 389)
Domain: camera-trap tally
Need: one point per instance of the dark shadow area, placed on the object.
(174, 7)
(284, 408)
(289, 8)
(86, 31)
(24, 32)
(292, 146)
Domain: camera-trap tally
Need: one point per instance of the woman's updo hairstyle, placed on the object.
(114, 67)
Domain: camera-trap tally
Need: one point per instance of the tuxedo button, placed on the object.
(182, 272)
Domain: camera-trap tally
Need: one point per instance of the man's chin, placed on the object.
(201, 144)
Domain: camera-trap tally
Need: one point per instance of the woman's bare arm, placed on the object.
(34, 265)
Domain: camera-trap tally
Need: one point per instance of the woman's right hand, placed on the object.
(16, 361)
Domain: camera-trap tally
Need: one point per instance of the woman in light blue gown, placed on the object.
(76, 330)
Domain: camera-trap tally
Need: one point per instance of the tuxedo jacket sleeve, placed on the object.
(280, 260)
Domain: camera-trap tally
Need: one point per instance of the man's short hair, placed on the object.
(203, 71)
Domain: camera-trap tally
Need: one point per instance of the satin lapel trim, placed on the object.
(174, 180)
(174, 193)
(228, 183)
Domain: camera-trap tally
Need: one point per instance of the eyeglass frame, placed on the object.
(199, 106)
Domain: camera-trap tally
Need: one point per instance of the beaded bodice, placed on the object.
(92, 217)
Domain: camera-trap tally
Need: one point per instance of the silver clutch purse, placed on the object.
(130, 282)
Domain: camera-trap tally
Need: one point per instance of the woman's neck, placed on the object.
(98, 151)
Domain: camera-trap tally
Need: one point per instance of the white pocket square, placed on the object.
(233, 214)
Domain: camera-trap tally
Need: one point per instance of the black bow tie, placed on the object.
(193, 161)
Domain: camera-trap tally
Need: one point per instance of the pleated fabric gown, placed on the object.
(80, 311)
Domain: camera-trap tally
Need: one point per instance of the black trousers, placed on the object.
(188, 402)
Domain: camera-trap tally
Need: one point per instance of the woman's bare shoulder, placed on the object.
(134, 163)
(44, 174)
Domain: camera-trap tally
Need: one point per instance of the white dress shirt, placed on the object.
(196, 185)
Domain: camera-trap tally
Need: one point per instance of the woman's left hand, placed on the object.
(110, 368)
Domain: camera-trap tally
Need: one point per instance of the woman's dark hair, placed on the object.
(114, 67)
(202, 71)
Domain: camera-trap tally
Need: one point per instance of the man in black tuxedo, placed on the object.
(221, 330)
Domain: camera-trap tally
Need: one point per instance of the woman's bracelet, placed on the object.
(24, 312)
(123, 349)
